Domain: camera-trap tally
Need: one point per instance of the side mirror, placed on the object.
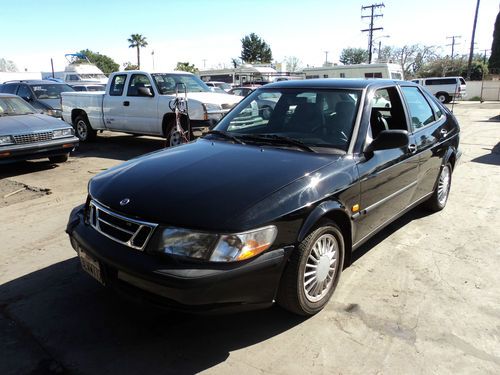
(144, 91)
(28, 98)
(388, 139)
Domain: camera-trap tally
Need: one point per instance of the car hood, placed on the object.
(51, 103)
(205, 185)
(22, 124)
(214, 98)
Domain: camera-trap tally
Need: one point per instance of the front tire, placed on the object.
(313, 271)
(83, 130)
(439, 197)
(443, 97)
(59, 158)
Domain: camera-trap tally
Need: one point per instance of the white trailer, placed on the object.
(382, 70)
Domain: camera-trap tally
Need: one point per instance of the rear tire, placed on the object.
(59, 158)
(443, 97)
(439, 197)
(313, 271)
(83, 130)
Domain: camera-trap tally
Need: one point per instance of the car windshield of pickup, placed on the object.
(50, 91)
(14, 106)
(167, 83)
(322, 120)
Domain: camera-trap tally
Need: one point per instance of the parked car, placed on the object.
(89, 87)
(139, 102)
(221, 85)
(43, 95)
(26, 135)
(257, 212)
(445, 89)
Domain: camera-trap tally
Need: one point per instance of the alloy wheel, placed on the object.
(444, 185)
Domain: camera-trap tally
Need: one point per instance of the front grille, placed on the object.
(130, 232)
(22, 139)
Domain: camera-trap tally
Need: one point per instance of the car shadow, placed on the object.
(414, 214)
(119, 147)
(493, 158)
(25, 167)
(83, 328)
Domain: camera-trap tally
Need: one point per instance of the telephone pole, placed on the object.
(453, 44)
(326, 57)
(372, 9)
(471, 53)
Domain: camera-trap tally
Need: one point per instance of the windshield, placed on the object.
(223, 85)
(14, 106)
(316, 118)
(50, 91)
(166, 83)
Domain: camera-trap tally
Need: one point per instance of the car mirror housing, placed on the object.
(144, 91)
(388, 139)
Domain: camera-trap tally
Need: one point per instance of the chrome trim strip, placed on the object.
(392, 218)
(389, 197)
(129, 243)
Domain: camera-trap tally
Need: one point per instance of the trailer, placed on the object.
(381, 70)
(248, 74)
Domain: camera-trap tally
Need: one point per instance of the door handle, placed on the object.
(443, 132)
(126, 103)
(412, 148)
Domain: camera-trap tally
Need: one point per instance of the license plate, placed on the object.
(91, 266)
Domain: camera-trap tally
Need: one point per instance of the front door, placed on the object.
(142, 111)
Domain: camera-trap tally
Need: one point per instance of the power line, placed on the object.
(453, 44)
(371, 29)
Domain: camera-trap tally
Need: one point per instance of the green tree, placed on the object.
(350, 56)
(129, 66)
(103, 62)
(186, 67)
(255, 50)
(494, 62)
(137, 41)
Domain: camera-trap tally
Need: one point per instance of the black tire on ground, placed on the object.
(443, 97)
(313, 271)
(439, 197)
(59, 158)
(83, 130)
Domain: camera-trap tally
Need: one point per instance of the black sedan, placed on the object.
(268, 209)
(26, 135)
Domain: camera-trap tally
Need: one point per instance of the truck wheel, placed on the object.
(443, 97)
(59, 158)
(174, 137)
(83, 130)
(313, 271)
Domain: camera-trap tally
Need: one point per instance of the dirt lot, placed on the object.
(421, 297)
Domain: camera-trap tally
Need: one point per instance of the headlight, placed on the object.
(61, 133)
(214, 247)
(53, 112)
(6, 140)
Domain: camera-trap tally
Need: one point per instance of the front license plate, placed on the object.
(91, 266)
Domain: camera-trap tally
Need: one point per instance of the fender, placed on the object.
(322, 210)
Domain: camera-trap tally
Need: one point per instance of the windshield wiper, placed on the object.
(226, 135)
(279, 139)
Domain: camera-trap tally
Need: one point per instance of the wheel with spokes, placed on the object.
(313, 272)
(83, 130)
(439, 197)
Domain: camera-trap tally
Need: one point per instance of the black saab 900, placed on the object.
(268, 208)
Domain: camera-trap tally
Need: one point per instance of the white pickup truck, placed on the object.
(138, 102)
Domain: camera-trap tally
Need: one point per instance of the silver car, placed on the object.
(26, 134)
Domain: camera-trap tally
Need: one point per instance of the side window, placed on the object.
(342, 75)
(9, 89)
(437, 110)
(387, 112)
(24, 92)
(136, 81)
(117, 85)
(462, 81)
(420, 112)
(73, 77)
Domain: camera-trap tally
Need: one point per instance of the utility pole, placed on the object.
(204, 62)
(453, 44)
(371, 29)
(326, 57)
(471, 53)
(484, 56)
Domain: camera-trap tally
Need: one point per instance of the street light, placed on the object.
(380, 44)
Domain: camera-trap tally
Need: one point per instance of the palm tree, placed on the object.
(137, 41)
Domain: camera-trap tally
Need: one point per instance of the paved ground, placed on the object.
(422, 297)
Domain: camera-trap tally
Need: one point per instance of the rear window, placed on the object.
(462, 81)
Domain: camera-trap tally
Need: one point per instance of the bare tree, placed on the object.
(292, 63)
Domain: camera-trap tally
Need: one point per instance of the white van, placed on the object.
(444, 88)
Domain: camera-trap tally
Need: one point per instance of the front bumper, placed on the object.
(177, 285)
(31, 151)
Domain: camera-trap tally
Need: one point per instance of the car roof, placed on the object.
(36, 82)
(334, 83)
(6, 95)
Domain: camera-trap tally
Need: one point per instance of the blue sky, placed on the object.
(211, 30)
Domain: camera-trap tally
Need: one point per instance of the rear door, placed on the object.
(141, 111)
(430, 130)
(388, 177)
